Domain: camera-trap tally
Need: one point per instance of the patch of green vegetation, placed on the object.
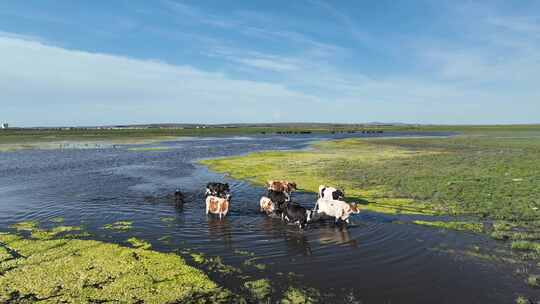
(300, 296)
(526, 246)
(54, 232)
(138, 243)
(523, 300)
(167, 219)
(260, 290)
(37, 233)
(533, 281)
(198, 258)
(58, 219)
(251, 262)
(148, 149)
(461, 226)
(4, 254)
(487, 172)
(165, 239)
(243, 252)
(83, 271)
(214, 264)
(26, 226)
(119, 226)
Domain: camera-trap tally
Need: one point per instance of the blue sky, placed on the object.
(119, 62)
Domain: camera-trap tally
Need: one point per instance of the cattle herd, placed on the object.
(277, 202)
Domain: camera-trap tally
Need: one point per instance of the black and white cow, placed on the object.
(330, 193)
(297, 214)
(279, 199)
(218, 189)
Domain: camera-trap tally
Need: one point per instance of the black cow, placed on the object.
(297, 214)
(279, 199)
(178, 198)
(218, 189)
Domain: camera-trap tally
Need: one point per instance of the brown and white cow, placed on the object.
(217, 205)
(267, 205)
(339, 210)
(281, 186)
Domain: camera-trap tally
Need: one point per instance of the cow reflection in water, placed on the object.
(220, 229)
(295, 241)
(331, 234)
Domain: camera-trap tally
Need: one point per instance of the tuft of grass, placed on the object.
(58, 219)
(259, 289)
(37, 233)
(300, 296)
(533, 281)
(526, 246)
(83, 271)
(148, 149)
(137, 243)
(523, 300)
(461, 226)
(119, 226)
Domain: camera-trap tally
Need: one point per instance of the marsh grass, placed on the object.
(84, 271)
(138, 243)
(460, 226)
(490, 176)
(119, 226)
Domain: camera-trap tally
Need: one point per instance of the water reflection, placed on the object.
(339, 235)
(220, 229)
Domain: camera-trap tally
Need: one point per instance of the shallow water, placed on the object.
(374, 260)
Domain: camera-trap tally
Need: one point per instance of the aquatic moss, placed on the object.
(58, 219)
(526, 246)
(54, 232)
(198, 258)
(138, 243)
(165, 239)
(119, 226)
(37, 233)
(26, 226)
(148, 149)
(214, 264)
(461, 226)
(300, 296)
(259, 289)
(533, 281)
(523, 300)
(81, 271)
(167, 219)
(251, 262)
(243, 252)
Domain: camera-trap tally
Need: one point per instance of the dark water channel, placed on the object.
(374, 260)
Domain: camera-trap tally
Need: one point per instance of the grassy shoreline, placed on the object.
(488, 175)
(17, 139)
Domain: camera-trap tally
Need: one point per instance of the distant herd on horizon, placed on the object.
(277, 203)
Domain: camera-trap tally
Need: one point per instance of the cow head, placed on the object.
(354, 208)
(291, 186)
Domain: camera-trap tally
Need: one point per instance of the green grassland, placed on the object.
(490, 173)
(60, 264)
(54, 266)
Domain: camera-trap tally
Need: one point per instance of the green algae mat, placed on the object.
(87, 271)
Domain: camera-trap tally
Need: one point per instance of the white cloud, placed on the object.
(78, 87)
